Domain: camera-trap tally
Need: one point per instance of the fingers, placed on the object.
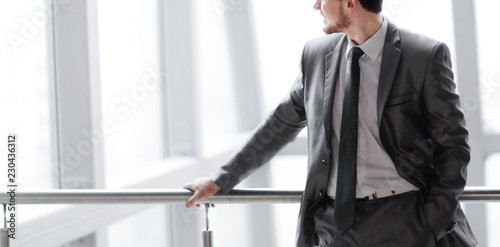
(202, 188)
(188, 186)
(198, 205)
(192, 200)
(197, 196)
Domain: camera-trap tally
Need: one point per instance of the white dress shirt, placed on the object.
(375, 169)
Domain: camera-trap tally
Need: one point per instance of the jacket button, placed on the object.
(325, 162)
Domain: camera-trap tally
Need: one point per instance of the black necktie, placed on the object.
(346, 176)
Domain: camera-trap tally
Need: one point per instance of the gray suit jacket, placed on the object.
(421, 127)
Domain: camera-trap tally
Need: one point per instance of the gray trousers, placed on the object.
(386, 222)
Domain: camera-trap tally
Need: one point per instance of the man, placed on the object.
(387, 141)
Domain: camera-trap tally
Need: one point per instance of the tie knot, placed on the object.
(356, 53)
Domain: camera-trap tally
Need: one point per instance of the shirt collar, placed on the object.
(373, 46)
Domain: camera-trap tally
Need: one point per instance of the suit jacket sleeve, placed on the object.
(445, 122)
(280, 128)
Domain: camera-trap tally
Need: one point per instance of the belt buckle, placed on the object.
(367, 198)
(376, 195)
(370, 197)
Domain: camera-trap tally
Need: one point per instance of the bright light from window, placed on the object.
(25, 92)
(487, 20)
(131, 87)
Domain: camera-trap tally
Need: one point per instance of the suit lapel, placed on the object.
(332, 65)
(388, 68)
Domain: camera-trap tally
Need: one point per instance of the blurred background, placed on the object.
(113, 94)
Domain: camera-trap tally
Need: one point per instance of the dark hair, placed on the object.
(374, 6)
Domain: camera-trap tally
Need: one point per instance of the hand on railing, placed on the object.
(203, 188)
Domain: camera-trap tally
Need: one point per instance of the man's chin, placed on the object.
(329, 29)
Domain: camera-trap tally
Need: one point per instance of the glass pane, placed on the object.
(408, 14)
(231, 225)
(147, 228)
(131, 88)
(280, 40)
(492, 169)
(487, 19)
(213, 78)
(25, 92)
(288, 172)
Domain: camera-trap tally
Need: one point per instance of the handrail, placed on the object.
(176, 196)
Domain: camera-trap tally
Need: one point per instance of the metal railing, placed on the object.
(172, 196)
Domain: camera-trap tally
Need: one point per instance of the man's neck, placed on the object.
(362, 29)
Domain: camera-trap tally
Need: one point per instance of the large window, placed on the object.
(289, 173)
(25, 93)
(408, 14)
(489, 68)
(137, 230)
(281, 33)
(213, 77)
(124, 64)
(131, 86)
(489, 85)
(492, 170)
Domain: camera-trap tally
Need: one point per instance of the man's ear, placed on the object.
(351, 5)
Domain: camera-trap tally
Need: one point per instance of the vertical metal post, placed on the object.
(206, 234)
(4, 238)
